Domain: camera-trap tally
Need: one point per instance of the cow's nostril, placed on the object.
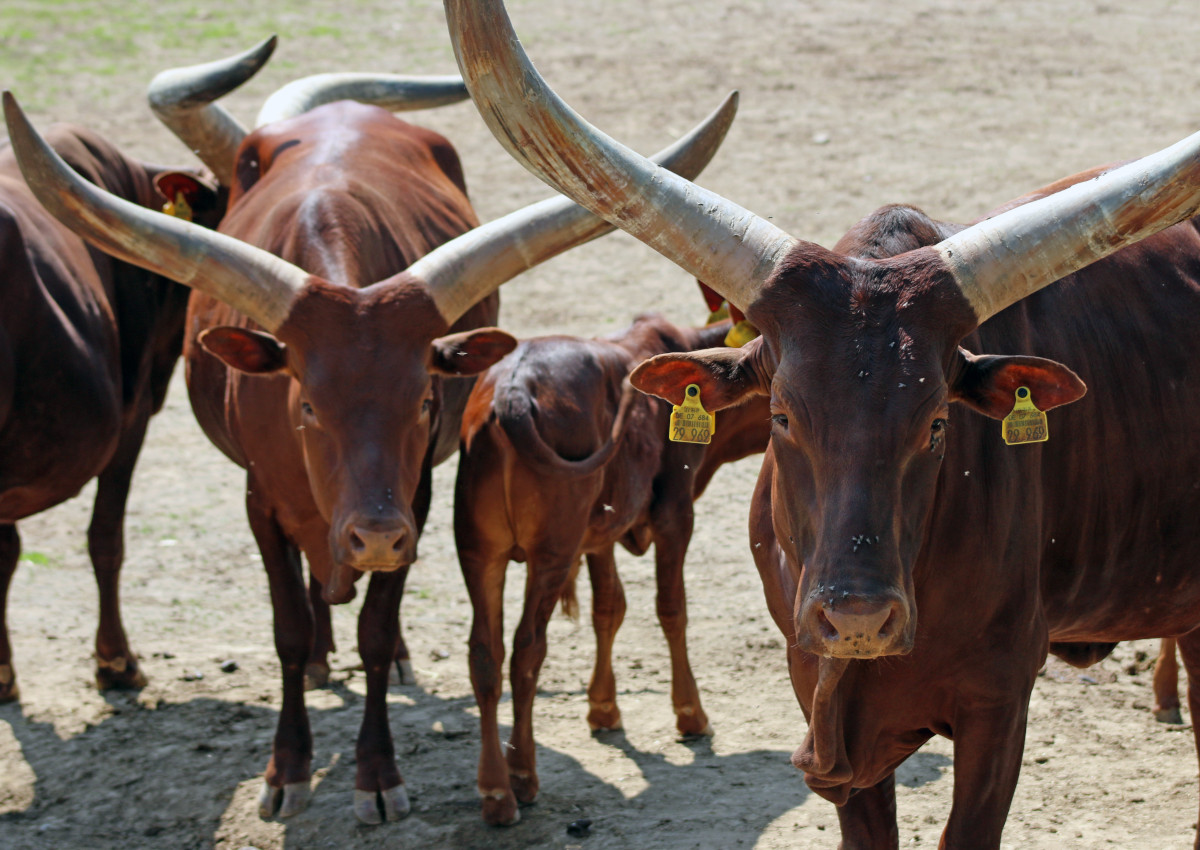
(356, 543)
(828, 631)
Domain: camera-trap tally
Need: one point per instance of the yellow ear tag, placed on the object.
(179, 208)
(690, 422)
(740, 334)
(1026, 424)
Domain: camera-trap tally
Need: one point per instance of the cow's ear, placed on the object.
(201, 199)
(469, 352)
(988, 383)
(253, 352)
(726, 376)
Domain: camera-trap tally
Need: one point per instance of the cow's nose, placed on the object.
(860, 627)
(376, 547)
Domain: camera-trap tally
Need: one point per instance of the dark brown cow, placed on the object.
(872, 508)
(87, 346)
(339, 407)
(562, 459)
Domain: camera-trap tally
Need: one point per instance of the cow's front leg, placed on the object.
(868, 819)
(988, 744)
(10, 551)
(1189, 650)
(378, 788)
(286, 784)
(316, 670)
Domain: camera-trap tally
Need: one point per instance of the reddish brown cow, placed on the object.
(871, 508)
(562, 459)
(87, 346)
(352, 390)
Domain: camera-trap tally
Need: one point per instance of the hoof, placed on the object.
(373, 807)
(500, 809)
(687, 737)
(692, 724)
(9, 691)
(119, 674)
(289, 800)
(525, 787)
(604, 717)
(1168, 715)
(316, 676)
(401, 672)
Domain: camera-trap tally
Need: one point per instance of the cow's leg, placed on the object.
(10, 551)
(484, 576)
(316, 670)
(608, 611)
(286, 783)
(988, 744)
(401, 671)
(378, 788)
(672, 533)
(547, 573)
(1189, 650)
(868, 820)
(1166, 684)
(116, 663)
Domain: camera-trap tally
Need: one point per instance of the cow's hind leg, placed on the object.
(316, 669)
(286, 783)
(379, 792)
(116, 663)
(1189, 650)
(868, 820)
(608, 611)
(672, 533)
(1166, 684)
(547, 573)
(10, 550)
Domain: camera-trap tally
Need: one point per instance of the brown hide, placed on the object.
(87, 346)
(341, 415)
(513, 503)
(962, 558)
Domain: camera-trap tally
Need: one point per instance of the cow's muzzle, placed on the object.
(842, 625)
(377, 544)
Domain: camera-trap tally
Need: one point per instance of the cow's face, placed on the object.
(861, 362)
(365, 368)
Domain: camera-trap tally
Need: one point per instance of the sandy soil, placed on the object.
(845, 106)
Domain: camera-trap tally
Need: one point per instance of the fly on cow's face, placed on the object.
(937, 435)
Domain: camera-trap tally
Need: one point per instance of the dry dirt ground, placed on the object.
(847, 105)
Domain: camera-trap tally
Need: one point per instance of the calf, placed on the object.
(562, 459)
(87, 347)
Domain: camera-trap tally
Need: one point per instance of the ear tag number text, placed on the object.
(1026, 424)
(690, 422)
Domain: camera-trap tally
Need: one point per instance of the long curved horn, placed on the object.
(465, 270)
(395, 92)
(999, 261)
(717, 241)
(248, 279)
(182, 98)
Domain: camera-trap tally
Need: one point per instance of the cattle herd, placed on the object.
(335, 300)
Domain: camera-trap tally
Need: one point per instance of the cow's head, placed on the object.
(364, 399)
(364, 363)
(860, 357)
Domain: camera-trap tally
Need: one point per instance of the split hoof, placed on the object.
(689, 737)
(604, 717)
(373, 807)
(289, 800)
(401, 672)
(119, 674)
(525, 787)
(316, 676)
(500, 809)
(9, 692)
(1168, 715)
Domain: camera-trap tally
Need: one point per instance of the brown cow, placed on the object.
(561, 458)
(340, 405)
(871, 508)
(87, 347)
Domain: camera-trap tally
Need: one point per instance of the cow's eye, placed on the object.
(780, 419)
(307, 408)
(937, 431)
